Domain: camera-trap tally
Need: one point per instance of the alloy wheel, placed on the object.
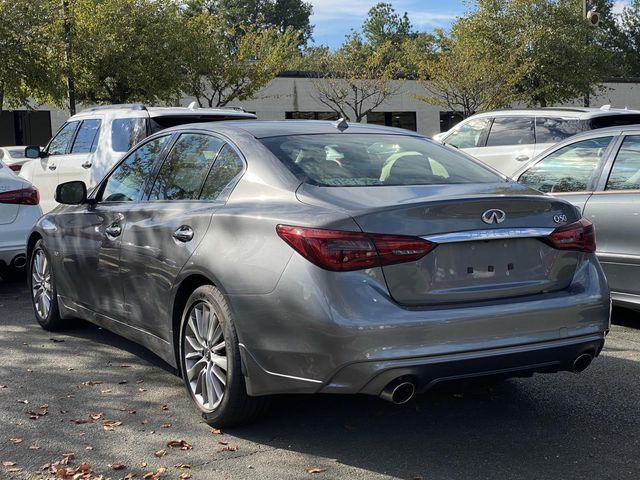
(41, 283)
(205, 356)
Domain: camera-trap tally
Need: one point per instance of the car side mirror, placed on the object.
(71, 193)
(33, 151)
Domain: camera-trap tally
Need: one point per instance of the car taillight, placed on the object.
(579, 236)
(25, 196)
(15, 167)
(343, 251)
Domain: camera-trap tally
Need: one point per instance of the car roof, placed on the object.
(570, 112)
(278, 128)
(153, 112)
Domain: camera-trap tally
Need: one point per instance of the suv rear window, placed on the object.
(126, 132)
(614, 121)
(552, 130)
(366, 159)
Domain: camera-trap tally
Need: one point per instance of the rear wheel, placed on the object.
(44, 296)
(210, 361)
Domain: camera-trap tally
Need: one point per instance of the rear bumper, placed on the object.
(341, 333)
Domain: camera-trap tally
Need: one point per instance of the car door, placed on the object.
(76, 165)
(43, 172)
(470, 135)
(615, 210)
(510, 143)
(93, 234)
(163, 232)
(570, 171)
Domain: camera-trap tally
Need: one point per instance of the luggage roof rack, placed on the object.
(131, 106)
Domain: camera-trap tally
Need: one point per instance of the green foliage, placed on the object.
(384, 24)
(225, 63)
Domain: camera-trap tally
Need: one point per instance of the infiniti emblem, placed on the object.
(494, 216)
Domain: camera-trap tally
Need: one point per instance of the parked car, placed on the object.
(506, 139)
(91, 142)
(13, 157)
(245, 256)
(19, 211)
(599, 172)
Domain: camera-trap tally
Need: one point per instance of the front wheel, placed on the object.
(210, 361)
(44, 297)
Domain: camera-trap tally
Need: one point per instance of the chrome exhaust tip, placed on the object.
(20, 261)
(398, 391)
(581, 363)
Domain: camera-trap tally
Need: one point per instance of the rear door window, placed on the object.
(625, 174)
(184, 170)
(470, 134)
(553, 130)
(223, 176)
(87, 138)
(126, 132)
(511, 131)
(59, 145)
(568, 169)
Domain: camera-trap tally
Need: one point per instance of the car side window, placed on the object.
(511, 131)
(126, 132)
(223, 175)
(568, 169)
(468, 135)
(625, 174)
(185, 168)
(87, 139)
(553, 130)
(127, 181)
(59, 145)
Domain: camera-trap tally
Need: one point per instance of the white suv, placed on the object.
(506, 139)
(91, 142)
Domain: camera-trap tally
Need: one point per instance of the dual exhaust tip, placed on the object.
(400, 390)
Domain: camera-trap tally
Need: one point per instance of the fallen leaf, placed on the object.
(182, 465)
(108, 390)
(129, 476)
(70, 369)
(14, 470)
(8, 463)
(315, 470)
(142, 389)
(139, 381)
(144, 464)
(4, 386)
(93, 382)
(56, 340)
(229, 448)
(62, 412)
(160, 453)
(155, 475)
(117, 466)
(16, 440)
(184, 476)
(215, 431)
(165, 407)
(40, 412)
(166, 425)
(223, 442)
(179, 443)
(22, 401)
(34, 446)
(109, 425)
(88, 447)
(95, 416)
(30, 370)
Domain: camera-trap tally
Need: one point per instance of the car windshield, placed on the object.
(366, 159)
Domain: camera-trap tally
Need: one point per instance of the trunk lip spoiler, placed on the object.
(489, 234)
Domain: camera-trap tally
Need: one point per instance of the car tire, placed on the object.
(42, 287)
(205, 347)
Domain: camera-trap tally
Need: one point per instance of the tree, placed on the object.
(356, 78)
(224, 65)
(29, 41)
(127, 50)
(384, 24)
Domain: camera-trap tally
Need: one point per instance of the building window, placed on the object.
(406, 120)
(448, 120)
(311, 116)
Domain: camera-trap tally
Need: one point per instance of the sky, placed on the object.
(333, 19)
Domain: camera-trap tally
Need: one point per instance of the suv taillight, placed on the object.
(579, 236)
(343, 251)
(25, 196)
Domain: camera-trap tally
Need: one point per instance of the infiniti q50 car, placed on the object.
(256, 263)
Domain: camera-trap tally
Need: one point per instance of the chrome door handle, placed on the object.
(52, 167)
(113, 230)
(86, 164)
(522, 158)
(183, 233)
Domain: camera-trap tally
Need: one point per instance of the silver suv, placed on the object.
(91, 142)
(506, 139)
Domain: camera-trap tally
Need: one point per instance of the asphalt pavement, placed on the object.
(120, 411)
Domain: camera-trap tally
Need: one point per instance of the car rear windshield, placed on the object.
(614, 120)
(367, 159)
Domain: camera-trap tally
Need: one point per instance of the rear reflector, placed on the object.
(580, 236)
(25, 196)
(15, 167)
(343, 251)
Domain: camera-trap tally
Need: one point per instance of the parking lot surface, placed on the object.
(116, 407)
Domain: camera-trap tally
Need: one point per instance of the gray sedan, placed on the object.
(599, 172)
(256, 263)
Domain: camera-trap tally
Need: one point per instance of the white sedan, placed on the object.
(19, 210)
(13, 157)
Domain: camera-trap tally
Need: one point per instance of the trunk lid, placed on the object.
(475, 259)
